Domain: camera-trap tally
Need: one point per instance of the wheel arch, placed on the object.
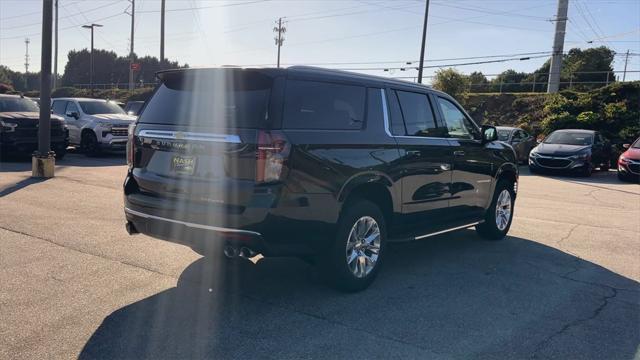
(373, 187)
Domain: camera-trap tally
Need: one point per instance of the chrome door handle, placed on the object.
(458, 153)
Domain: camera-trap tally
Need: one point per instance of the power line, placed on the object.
(64, 17)
(506, 13)
(205, 7)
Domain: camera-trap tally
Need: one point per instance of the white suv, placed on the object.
(94, 124)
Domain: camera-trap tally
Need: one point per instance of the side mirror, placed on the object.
(73, 114)
(489, 134)
(626, 146)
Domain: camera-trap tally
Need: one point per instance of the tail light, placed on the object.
(131, 144)
(271, 154)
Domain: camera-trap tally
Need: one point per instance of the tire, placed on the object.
(355, 275)
(587, 171)
(61, 152)
(490, 229)
(89, 144)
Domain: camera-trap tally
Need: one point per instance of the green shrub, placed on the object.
(588, 119)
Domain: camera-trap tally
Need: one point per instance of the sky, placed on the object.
(364, 35)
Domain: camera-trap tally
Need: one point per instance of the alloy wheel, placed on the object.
(363, 246)
(503, 209)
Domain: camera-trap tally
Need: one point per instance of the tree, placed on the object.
(450, 81)
(109, 68)
(585, 69)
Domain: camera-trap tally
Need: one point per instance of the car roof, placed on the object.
(577, 131)
(317, 72)
(13, 96)
(80, 98)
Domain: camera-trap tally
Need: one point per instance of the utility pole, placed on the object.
(92, 26)
(558, 46)
(161, 34)
(626, 60)
(424, 39)
(133, 19)
(43, 161)
(26, 55)
(280, 38)
(55, 49)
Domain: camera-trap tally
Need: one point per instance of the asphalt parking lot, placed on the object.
(563, 285)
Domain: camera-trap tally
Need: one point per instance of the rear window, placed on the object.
(323, 106)
(213, 98)
(418, 114)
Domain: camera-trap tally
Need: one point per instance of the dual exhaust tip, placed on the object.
(233, 252)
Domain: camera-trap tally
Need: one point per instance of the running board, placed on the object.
(439, 232)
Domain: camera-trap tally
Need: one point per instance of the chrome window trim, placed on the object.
(385, 111)
(178, 135)
(190, 224)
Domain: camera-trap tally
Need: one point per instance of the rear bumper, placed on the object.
(274, 223)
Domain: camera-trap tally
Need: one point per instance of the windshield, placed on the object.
(134, 108)
(100, 107)
(569, 138)
(10, 104)
(636, 144)
(503, 135)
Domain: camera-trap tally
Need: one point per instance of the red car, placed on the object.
(629, 162)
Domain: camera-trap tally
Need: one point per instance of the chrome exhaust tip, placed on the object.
(230, 252)
(247, 253)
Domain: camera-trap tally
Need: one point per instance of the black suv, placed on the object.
(19, 118)
(322, 164)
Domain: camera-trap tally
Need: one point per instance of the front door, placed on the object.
(72, 122)
(426, 158)
(472, 161)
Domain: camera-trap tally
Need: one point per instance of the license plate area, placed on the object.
(183, 165)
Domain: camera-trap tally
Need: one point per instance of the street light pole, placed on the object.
(91, 61)
(424, 38)
(42, 163)
(162, 11)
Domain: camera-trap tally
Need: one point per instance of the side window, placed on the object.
(524, 135)
(58, 107)
(518, 135)
(457, 123)
(71, 107)
(417, 112)
(322, 105)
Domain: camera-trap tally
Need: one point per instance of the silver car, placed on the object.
(94, 124)
(519, 139)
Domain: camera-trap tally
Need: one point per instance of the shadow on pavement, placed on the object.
(23, 163)
(449, 297)
(20, 185)
(597, 178)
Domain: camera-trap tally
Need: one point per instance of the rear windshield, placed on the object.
(568, 138)
(11, 104)
(100, 107)
(212, 99)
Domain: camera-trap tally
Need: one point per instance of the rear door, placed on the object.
(207, 137)
(425, 156)
(472, 161)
